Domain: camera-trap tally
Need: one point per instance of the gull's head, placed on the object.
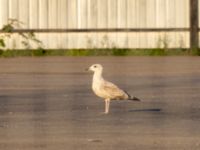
(96, 68)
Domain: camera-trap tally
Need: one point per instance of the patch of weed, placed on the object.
(100, 52)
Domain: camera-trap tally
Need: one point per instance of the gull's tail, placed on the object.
(132, 98)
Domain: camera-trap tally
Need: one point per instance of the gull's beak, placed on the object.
(87, 69)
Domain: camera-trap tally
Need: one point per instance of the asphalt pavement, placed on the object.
(46, 103)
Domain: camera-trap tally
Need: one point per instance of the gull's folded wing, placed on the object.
(113, 91)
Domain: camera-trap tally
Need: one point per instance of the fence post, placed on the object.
(194, 24)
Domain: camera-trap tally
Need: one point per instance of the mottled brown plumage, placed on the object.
(106, 89)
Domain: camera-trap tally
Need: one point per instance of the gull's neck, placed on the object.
(97, 77)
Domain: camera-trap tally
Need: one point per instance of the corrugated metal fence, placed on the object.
(53, 21)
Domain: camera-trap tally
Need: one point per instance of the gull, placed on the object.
(105, 89)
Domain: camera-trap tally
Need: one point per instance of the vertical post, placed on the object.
(194, 24)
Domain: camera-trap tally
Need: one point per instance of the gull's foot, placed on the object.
(103, 113)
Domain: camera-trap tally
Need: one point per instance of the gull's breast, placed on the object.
(98, 91)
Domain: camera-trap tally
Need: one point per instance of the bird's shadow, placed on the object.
(146, 110)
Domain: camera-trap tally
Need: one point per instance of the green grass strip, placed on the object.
(100, 52)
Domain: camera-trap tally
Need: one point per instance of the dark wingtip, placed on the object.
(135, 99)
(132, 98)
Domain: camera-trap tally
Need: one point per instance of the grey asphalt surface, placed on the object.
(47, 104)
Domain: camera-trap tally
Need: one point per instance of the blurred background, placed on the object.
(87, 24)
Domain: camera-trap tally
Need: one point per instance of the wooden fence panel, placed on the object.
(122, 38)
(92, 14)
(112, 22)
(4, 12)
(34, 13)
(13, 8)
(43, 14)
(24, 13)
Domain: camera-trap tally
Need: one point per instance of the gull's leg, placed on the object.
(107, 105)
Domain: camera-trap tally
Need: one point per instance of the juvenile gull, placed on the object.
(107, 90)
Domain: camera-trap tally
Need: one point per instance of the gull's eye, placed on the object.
(95, 66)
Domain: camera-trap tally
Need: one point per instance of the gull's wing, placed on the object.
(113, 91)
